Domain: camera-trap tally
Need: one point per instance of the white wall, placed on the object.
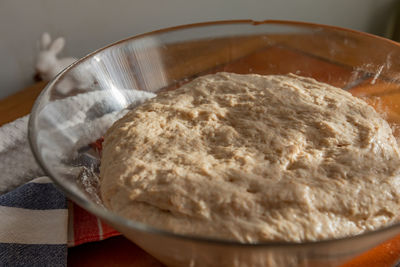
(91, 24)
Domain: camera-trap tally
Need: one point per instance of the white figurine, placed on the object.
(48, 65)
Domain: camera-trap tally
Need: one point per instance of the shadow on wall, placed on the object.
(393, 24)
(381, 18)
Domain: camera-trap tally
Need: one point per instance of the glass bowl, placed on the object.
(78, 106)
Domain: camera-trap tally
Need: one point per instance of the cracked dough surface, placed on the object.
(253, 158)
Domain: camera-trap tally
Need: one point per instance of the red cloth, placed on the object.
(85, 227)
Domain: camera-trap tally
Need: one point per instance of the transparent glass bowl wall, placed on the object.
(79, 105)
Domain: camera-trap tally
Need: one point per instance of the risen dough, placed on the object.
(253, 158)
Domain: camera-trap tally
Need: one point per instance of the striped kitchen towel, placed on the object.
(37, 222)
(33, 228)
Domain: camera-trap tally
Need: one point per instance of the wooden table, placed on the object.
(118, 251)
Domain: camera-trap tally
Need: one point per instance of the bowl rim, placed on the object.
(114, 218)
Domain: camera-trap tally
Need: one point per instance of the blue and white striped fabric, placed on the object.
(33, 228)
(33, 213)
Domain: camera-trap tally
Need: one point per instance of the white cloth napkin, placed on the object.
(17, 164)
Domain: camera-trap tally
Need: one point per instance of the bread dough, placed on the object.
(253, 158)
